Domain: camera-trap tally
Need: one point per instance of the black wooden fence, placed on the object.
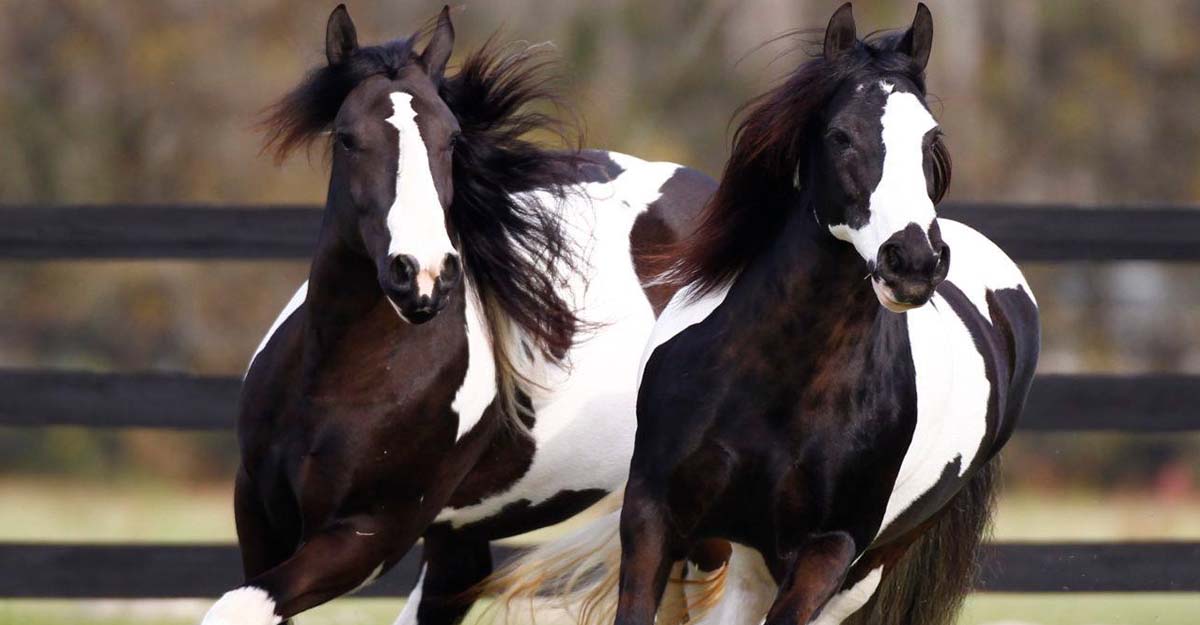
(1133, 404)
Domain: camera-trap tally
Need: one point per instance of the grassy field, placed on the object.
(131, 511)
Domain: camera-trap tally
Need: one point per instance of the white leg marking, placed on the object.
(408, 615)
(478, 388)
(749, 591)
(245, 606)
(416, 219)
(297, 299)
(847, 602)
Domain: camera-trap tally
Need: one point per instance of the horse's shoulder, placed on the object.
(686, 309)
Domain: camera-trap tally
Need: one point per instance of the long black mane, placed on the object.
(515, 252)
(773, 144)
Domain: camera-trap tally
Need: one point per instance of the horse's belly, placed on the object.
(953, 393)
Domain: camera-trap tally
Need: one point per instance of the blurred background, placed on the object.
(1090, 102)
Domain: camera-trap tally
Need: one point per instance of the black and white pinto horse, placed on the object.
(820, 406)
(460, 364)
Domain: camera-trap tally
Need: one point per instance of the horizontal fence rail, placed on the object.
(171, 571)
(1031, 233)
(1139, 403)
(1159, 403)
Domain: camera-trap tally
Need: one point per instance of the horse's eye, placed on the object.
(839, 138)
(454, 138)
(346, 141)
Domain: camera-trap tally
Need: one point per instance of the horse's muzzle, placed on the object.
(416, 293)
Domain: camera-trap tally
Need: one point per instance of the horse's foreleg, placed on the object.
(263, 544)
(646, 561)
(344, 556)
(815, 574)
(453, 565)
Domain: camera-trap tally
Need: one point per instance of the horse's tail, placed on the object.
(576, 572)
(933, 577)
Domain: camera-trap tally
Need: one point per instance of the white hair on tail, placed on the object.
(578, 574)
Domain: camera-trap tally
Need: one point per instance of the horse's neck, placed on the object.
(812, 285)
(342, 289)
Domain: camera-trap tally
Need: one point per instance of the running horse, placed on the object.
(460, 364)
(820, 406)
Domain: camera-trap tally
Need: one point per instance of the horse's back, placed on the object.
(616, 210)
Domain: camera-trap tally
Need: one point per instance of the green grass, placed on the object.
(141, 511)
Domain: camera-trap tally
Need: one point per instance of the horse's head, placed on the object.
(881, 162)
(392, 175)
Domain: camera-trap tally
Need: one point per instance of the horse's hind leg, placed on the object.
(815, 574)
(453, 565)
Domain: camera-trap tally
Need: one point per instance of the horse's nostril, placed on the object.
(404, 269)
(891, 257)
(451, 269)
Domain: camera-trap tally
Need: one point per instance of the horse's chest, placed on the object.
(953, 391)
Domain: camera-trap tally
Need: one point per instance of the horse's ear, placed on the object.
(341, 38)
(441, 43)
(840, 35)
(918, 41)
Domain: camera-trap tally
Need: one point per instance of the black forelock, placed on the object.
(308, 110)
(772, 142)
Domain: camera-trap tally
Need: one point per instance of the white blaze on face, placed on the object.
(901, 197)
(416, 220)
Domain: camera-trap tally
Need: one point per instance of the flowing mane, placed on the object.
(515, 252)
(772, 151)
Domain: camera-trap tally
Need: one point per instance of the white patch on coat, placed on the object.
(294, 303)
(952, 401)
(978, 265)
(416, 220)
(244, 606)
(408, 614)
(952, 385)
(748, 594)
(901, 197)
(478, 388)
(847, 602)
(585, 412)
(681, 313)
